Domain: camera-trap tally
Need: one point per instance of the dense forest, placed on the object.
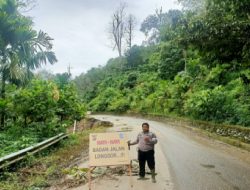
(191, 71)
(194, 63)
(33, 106)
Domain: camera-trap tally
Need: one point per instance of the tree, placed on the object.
(171, 61)
(62, 79)
(134, 57)
(149, 23)
(45, 74)
(22, 49)
(86, 83)
(221, 32)
(42, 107)
(170, 24)
(69, 105)
(130, 27)
(117, 28)
(26, 5)
(193, 5)
(121, 29)
(36, 102)
(156, 25)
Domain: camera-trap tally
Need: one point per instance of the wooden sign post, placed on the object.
(108, 149)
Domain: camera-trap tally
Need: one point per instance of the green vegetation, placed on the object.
(31, 108)
(50, 166)
(36, 112)
(195, 64)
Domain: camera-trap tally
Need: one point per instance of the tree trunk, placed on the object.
(2, 122)
(25, 121)
(120, 52)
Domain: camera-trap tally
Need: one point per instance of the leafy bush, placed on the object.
(104, 99)
(120, 105)
(171, 61)
(36, 112)
(69, 106)
(36, 103)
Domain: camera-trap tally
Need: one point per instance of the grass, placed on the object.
(228, 140)
(41, 171)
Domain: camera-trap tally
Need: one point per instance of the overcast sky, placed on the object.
(79, 28)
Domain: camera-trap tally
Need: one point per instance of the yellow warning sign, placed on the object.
(108, 149)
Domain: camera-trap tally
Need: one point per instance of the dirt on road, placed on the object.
(185, 160)
(118, 178)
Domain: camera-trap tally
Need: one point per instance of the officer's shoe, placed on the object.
(141, 178)
(153, 176)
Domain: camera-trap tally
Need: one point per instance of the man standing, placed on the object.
(146, 141)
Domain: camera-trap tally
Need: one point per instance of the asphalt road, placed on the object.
(195, 164)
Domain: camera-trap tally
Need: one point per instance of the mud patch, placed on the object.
(218, 173)
(236, 188)
(126, 129)
(209, 166)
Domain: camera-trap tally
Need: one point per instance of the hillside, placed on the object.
(194, 64)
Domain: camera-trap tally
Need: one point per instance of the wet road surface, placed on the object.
(193, 164)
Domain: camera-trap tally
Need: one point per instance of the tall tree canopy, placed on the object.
(22, 49)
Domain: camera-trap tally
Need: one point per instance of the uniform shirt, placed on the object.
(142, 144)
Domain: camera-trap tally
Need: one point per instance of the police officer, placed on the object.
(146, 141)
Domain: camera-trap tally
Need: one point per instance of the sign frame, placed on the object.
(100, 139)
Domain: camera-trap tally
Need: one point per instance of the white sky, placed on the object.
(79, 29)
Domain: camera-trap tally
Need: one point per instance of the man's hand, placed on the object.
(146, 139)
(128, 143)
